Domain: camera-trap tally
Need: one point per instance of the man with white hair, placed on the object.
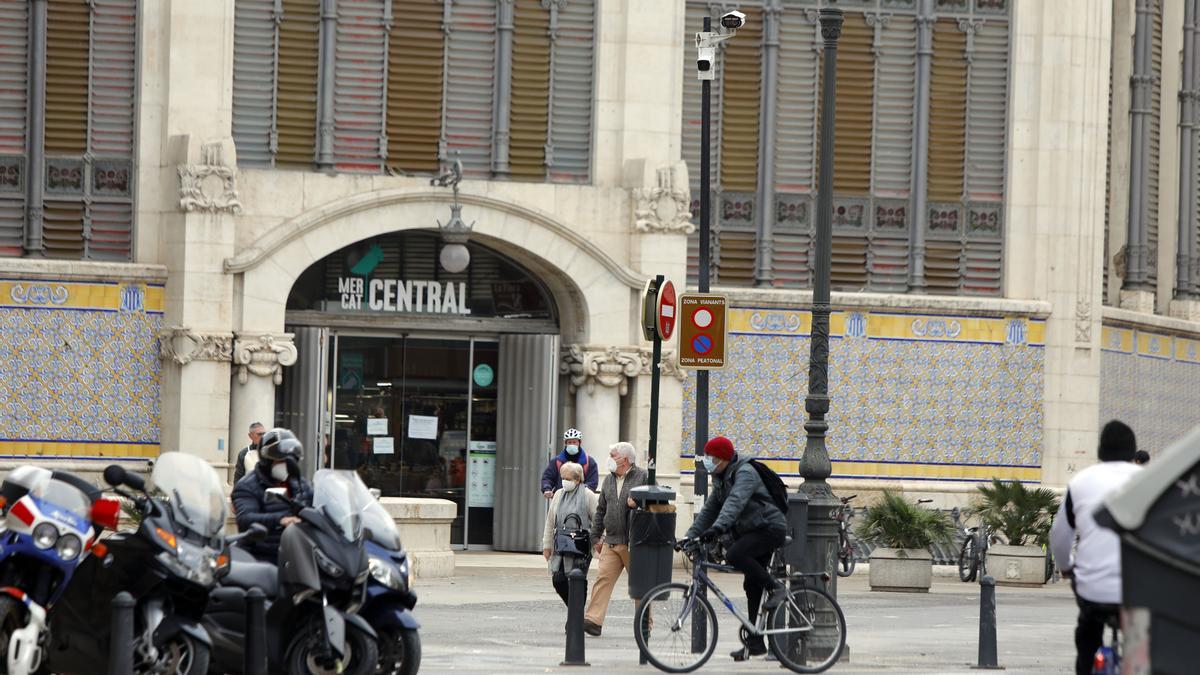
(612, 521)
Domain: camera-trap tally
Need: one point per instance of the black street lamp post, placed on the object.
(820, 550)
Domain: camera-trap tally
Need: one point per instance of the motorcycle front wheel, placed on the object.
(12, 618)
(182, 655)
(399, 652)
(303, 654)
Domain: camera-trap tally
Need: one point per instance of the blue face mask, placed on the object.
(710, 464)
(572, 450)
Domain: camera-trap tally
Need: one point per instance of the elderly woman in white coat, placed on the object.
(576, 498)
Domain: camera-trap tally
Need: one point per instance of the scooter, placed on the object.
(51, 519)
(312, 595)
(390, 599)
(168, 565)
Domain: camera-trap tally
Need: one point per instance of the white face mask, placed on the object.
(611, 466)
(279, 471)
(569, 485)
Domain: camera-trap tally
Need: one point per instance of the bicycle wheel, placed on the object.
(675, 637)
(846, 559)
(819, 631)
(968, 560)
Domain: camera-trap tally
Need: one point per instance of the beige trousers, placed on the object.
(613, 560)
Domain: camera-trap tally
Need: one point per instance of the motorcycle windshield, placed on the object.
(382, 527)
(191, 486)
(343, 497)
(57, 499)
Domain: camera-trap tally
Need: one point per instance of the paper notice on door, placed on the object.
(482, 476)
(422, 426)
(383, 445)
(377, 426)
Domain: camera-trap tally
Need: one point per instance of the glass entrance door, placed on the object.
(416, 417)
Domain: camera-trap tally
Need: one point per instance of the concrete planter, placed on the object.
(424, 526)
(907, 570)
(1017, 565)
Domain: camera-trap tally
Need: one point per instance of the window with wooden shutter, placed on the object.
(14, 99)
(795, 146)
(986, 141)
(530, 90)
(855, 103)
(255, 42)
(414, 90)
(947, 157)
(740, 106)
(360, 69)
(471, 57)
(690, 143)
(296, 88)
(1152, 158)
(571, 96)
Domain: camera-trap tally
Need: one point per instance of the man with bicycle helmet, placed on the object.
(741, 506)
(278, 465)
(573, 453)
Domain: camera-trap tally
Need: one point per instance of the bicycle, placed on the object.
(806, 633)
(972, 559)
(846, 554)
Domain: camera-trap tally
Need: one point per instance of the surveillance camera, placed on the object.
(733, 20)
(705, 56)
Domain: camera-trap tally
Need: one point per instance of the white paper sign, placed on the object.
(383, 445)
(377, 426)
(482, 476)
(422, 426)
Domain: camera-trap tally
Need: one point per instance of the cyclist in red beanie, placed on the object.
(741, 506)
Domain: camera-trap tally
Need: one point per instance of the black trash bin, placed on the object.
(1157, 514)
(797, 520)
(651, 538)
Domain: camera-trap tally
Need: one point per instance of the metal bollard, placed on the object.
(576, 595)
(256, 633)
(120, 641)
(987, 625)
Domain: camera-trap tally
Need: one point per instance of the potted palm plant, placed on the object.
(1021, 515)
(903, 532)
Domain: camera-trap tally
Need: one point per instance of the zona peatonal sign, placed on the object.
(398, 295)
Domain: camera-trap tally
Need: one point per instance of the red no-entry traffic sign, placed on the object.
(667, 310)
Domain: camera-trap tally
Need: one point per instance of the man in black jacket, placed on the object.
(248, 457)
(612, 518)
(278, 466)
(741, 506)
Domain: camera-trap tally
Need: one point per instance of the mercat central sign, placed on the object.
(398, 295)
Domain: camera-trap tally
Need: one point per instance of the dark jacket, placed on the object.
(612, 513)
(251, 505)
(551, 481)
(739, 503)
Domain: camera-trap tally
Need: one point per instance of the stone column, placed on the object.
(258, 359)
(598, 378)
(1055, 225)
(194, 361)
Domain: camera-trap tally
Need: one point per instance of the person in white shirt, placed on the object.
(1095, 568)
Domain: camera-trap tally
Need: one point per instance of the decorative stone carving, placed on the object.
(1083, 320)
(264, 355)
(211, 186)
(664, 207)
(608, 366)
(669, 366)
(183, 345)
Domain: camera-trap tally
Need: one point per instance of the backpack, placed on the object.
(774, 485)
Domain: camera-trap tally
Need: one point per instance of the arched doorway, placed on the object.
(427, 382)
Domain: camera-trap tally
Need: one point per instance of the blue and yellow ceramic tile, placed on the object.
(1187, 350)
(79, 376)
(755, 321)
(1117, 339)
(1153, 345)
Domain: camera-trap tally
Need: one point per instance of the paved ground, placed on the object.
(500, 614)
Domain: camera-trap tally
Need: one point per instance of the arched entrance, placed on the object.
(426, 381)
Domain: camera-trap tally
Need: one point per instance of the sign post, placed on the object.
(659, 312)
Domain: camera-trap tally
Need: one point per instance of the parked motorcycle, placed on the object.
(169, 564)
(390, 598)
(51, 519)
(320, 582)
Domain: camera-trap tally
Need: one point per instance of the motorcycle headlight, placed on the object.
(327, 566)
(69, 547)
(45, 535)
(191, 563)
(387, 574)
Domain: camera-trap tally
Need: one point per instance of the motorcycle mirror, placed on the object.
(375, 492)
(114, 474)
(276, 494)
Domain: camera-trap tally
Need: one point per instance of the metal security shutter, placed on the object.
(416, 55)
(110, 130)
(1152, 158)
(897, 66)
(571, 94)
(296, 98)
(947, 112)
(358, 85)
(530, 90)
(855, 104)
(14, 99)
(795, 140)
(67, 43)
(254, 49)
(471, 45)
